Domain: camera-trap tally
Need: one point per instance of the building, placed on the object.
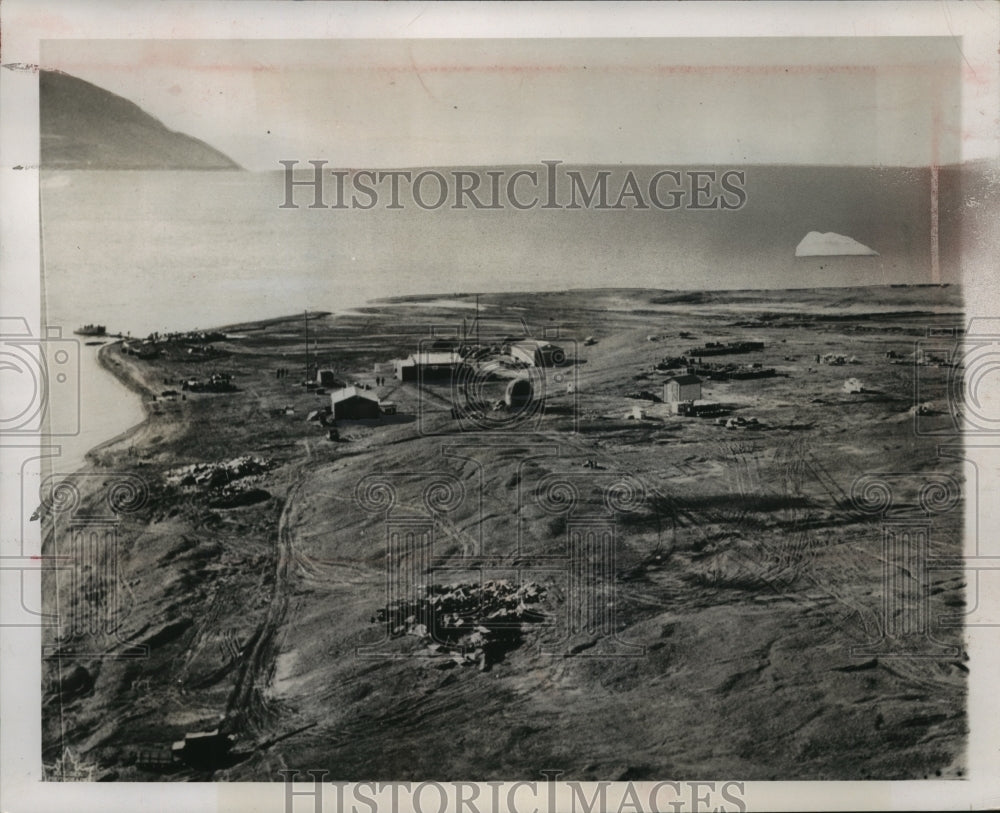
(404, 369)
(538, 354)
(428, 365)
(682, 388)
(327, 378)
(353, 404)
(205, 749)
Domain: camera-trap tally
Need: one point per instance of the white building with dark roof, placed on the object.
(353, 404)
(428, 364)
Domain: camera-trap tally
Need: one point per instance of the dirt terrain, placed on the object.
(733, 632)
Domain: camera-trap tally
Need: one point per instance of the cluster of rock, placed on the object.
(472, 624)
(218, 474)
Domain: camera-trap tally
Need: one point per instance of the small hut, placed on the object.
(682, 388)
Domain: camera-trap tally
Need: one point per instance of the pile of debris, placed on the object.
(320, 416)
(218, 382)
(672, 363)
(927, 358)
(739, 422)
(716, 371)
(836, 359)
(644, 395)
(733, 372)
(469, 623)
(238, 495)
(144, 350)
(219, 474)
(722, 349)
(200, 352)
(196, 336)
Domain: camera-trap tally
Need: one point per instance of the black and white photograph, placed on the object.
(512, 419)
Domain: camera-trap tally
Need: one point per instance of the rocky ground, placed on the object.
(735, 633)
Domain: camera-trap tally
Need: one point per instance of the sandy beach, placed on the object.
(136, 379)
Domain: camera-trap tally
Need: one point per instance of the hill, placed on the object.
(86, 127)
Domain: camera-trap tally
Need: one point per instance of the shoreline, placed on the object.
(136, 379)
(131, 375)
(130, 378)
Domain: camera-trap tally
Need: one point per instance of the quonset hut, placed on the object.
(428, 365)
(519, 393)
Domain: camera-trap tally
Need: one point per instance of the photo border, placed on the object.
(27, 23)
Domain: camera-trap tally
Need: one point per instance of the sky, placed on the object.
(425, 102)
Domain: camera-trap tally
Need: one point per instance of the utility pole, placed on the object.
(477, 319)
(307, 344)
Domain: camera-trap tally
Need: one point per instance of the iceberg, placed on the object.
(831, 244)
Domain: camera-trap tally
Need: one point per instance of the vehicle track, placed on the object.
(248, 710)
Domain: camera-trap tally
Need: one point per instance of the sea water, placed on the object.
(144, 251)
